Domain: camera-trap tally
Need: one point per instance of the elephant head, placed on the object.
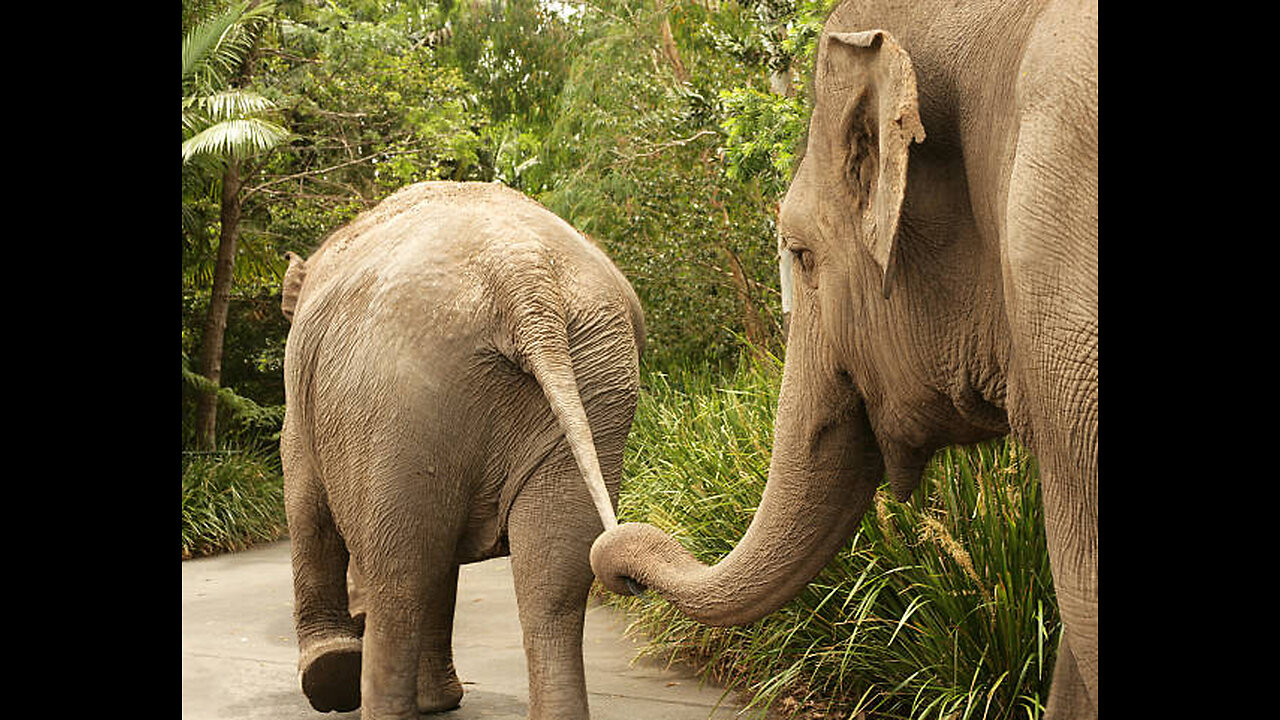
(879, 366)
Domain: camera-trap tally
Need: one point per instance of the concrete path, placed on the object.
(239, 652)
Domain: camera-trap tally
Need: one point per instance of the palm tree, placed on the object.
(222, 122)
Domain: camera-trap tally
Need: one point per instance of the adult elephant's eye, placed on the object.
(804, 257)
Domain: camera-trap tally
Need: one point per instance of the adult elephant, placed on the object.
(942, 227)
(460, 377)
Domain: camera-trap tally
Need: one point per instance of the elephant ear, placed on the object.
(867, 84)
(292, 284)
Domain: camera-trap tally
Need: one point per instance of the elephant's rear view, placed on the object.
(460, 376)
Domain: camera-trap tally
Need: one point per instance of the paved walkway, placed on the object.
(239, 653)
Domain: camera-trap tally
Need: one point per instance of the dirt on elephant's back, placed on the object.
(424, 194)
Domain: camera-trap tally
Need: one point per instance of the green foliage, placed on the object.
(762, 133)
(804, 26)
(215, 45)
(633, 158)
(677, 175)
(230, 500)
(218, 119)
(224, 125)
(515, 54)
(242, 421)
(939, 607)
(373, 113)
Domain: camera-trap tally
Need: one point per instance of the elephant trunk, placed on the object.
(823, 475)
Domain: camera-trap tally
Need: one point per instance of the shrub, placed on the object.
(230, 500)
(939, 607)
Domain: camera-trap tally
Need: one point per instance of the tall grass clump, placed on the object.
(938, 607)
(230, 500)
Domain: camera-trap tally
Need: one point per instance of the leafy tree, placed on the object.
(372, 109)
(764, 129)
(637, 159)
(369, 109)
(222, 121)
(761, 130)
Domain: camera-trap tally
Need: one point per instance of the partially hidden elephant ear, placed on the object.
(869, 80)
(292, 284)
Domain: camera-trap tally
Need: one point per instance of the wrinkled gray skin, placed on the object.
(942, 228)
(460, 377)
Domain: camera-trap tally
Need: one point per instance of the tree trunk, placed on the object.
(671, 51)
(752, 322)
(215, 324)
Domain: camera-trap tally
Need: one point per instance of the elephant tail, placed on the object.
(551, 366)
(541, 348)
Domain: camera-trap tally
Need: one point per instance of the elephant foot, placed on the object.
(440, 701)
(330, 674)
(438, 687)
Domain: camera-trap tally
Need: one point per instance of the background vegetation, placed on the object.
(665, 129)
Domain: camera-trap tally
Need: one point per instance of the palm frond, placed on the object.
(201, 111)
(216, 45)
(232, 104)
(236, 138)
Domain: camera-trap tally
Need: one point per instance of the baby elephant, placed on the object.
(460, 377)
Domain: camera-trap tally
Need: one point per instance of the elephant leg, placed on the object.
(1052, 295)
(1068, 696)
(407, 561)
(438, 686)
(551, 526)
(328, 638)
(1071, 534)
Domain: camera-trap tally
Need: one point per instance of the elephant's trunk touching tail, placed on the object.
(823, 474)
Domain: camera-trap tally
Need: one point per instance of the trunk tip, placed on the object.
(636, 588)
(618, 556)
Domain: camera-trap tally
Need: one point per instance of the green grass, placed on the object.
(939, 607)
(230, 500)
